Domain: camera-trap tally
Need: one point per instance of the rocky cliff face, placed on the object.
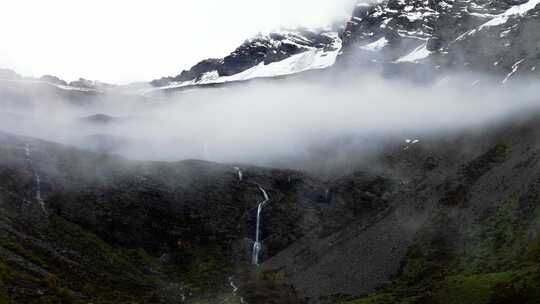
(102, 225)
(497, 37)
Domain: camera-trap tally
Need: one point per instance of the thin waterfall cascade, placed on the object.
(233, 286)
(257, 246)
(40, 200)
(37, 178)
(239, 172)
(235, 289)
(27, 151)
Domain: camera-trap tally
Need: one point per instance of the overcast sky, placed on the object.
(131, 40)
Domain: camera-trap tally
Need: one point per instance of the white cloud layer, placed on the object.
(132, 40)
(294, 123)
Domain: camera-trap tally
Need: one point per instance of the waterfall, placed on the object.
(37, 178)
(38, 187)
(233, 286)
(235, 290)
(38, 193)
(239, 172)
(257, 246)
(27, 151)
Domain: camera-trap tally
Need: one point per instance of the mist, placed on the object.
(271, 122)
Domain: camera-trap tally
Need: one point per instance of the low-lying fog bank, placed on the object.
(294, 123)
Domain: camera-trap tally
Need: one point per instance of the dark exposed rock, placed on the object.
(83, 83)
(457, 190)
(53, 79)
(99, 118)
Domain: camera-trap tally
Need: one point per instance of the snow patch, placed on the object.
(409, 143)
(419, 53)
(517, 10)
(515, 68)
(376, 45)
(500, 19)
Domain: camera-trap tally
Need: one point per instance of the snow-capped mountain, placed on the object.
(500, 38)
(496, 37)
(266, 55)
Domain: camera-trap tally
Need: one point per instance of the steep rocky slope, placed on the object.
(479, 240)
(82, 227)
(498, 37)
(438, 221)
